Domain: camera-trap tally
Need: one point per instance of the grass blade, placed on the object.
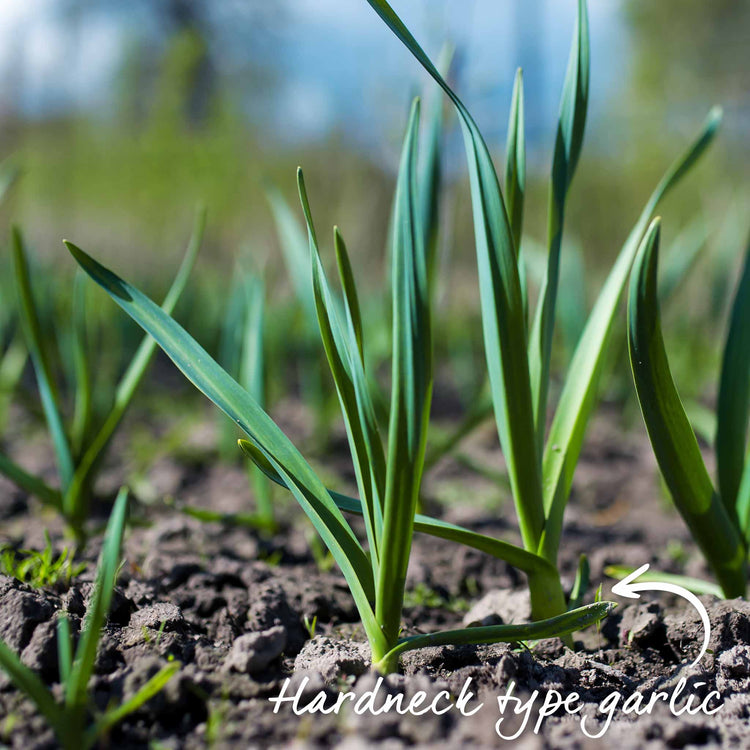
(733, 409)
(294, 249)
(569, 622)
(572, 310)
(479, 410)
(29, 483)
(570, 128)
(252, 362)
(76, 689)
(354, 314)
(248, 520)
(9, 173)
(515, 162)
(518, 557)
(231, 341)
(701, 418)
(515, 180)
(503, 316)
(82, 368)
(151, 688)
(411, 389)
(230, 351)
(132, 378)
(12, 365)
(669, 430)
(29, 684)
(581, 583)
(64, 648)
(743, 503)
(40, 360)
(578, 396)
(431, 173)
(344, 354)
(682, 256)
(197, 365)
(252, 379)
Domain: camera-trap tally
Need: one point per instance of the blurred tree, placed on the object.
(683, 47)
(191, 42)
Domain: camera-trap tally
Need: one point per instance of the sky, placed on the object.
(336, 65)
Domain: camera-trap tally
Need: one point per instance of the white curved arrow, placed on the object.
(630, 590)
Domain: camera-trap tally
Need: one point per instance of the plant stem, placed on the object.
(388, 663)
(383, 659)
(548, 598)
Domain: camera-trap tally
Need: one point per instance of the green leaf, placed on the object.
(9, 173)
(249, 520)
(568, 144)
(64, 648)
(734, 396)
(571, 301)
(502, 305)
(31, 686)
(29, 483)
(83, 403)
(196, 364)
(682, 256)
(581, 583)
(479, 410)
(578, 396)
(518, 557)
(131, 379)
(252, 379)
(411, 387)
(344, 354)
(569, 622)
(669, 430)
(515, 162)
(12, 365)
(431, 173)
(151, 688)
(353, 312)
(76, 688)
(294, 249)
(40, 359)
(231, 346)
(743, 503)
(252, 364)
(233, 324)
(701, 417)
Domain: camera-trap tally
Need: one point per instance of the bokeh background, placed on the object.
(122, 116)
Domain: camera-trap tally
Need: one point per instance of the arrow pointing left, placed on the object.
(628, 589)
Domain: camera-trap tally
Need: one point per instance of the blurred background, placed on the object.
(122, 116)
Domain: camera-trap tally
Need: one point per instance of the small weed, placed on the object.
(271, 558)
(424, 596)
(69, 713)
(677, 552)
(40, 569)
(310, 625)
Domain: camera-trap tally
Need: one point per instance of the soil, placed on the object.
(236, 609)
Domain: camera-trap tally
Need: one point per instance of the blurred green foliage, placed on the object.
(124, 183)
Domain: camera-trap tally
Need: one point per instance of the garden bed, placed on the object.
(237, 610)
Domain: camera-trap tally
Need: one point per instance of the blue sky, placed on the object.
(337, 65)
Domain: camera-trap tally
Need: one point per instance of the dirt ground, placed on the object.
(237, 611)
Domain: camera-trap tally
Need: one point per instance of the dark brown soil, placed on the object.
(231, 607)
